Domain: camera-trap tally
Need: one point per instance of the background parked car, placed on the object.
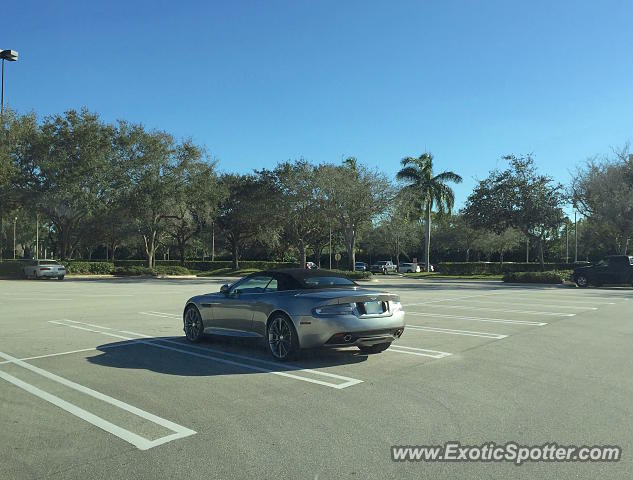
(407, 267)
(361, 267)
(614, 269)
(384, 267)
(45, 269)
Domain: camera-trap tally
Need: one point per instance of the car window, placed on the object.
(322, 282)
(252, 284)
(47, 262)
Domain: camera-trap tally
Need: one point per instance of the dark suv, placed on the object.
(614, 269)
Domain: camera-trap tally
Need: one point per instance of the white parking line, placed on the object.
(155, 315)
(423, 352)
(506, 310)
(175, 315)
(478, 319)
(540, 305)
(450, 331)
(347, 381)
(138, 441)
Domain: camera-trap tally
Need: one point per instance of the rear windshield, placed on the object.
(48, 262)
(324, 282)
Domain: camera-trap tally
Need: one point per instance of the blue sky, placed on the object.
(259, 82)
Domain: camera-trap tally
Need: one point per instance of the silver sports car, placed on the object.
(293, 309)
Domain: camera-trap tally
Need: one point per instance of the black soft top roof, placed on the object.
(300, 275)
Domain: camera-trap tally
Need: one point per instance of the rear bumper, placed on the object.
(348, 330)
(50, 273)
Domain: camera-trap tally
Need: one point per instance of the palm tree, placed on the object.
(426, 190)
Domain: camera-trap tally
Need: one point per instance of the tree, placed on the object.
(491, 242)
(241, 212)
(603, 191)
(298, 206)
(424, 190)
(353, 196)
(73, 153)
(195, 198)
(518, 197)
(149, 156)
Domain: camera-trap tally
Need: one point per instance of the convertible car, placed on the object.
(294, 309)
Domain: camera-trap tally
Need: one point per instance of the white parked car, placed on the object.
(45, 269)
(408, 268)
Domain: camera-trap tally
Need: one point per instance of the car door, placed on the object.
(233, 314)
(602, 272)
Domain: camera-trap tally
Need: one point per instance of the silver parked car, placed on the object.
(408, 268)
(45, 269)
(293, 309)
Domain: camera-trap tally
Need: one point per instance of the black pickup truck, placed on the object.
(614, 269)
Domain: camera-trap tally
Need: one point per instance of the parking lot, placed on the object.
(97, 381)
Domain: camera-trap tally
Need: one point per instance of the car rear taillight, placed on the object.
(44, 268)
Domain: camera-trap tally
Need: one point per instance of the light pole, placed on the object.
(11, 56)
(14, 249)
(575, 237)
(37, 237)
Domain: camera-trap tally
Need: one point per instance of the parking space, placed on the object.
(97, 381)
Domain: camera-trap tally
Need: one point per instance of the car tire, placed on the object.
(582, 281)
(192, 325)
(60, 277)
(380, 347)
(282, 340)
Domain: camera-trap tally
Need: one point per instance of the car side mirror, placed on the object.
(224, 289)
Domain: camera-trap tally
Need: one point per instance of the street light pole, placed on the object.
(14, 249)
(37, 238)
(11, 56)
(330, 248)
(567, 241)
(576, 237)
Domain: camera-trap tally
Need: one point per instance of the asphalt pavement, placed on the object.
(97, 382)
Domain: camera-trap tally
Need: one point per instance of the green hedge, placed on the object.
(89, 268)
(171, 270)
(353, 275)
(555, 277)
(495, 268)
(135, 270)
(209, 266)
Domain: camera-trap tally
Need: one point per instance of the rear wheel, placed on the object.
(283, 342)
(194, 330)
(582, 281)
(61, 277)
(381, 347)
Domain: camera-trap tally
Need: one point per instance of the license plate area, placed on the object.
(372, 308)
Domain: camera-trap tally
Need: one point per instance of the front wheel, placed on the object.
(283, 342)
(194, 329)
(381, 347)
(61, 277)
(582, 281)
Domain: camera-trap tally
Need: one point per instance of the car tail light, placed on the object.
(44, 268)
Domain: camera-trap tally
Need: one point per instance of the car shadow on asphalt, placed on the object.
(176, 356)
